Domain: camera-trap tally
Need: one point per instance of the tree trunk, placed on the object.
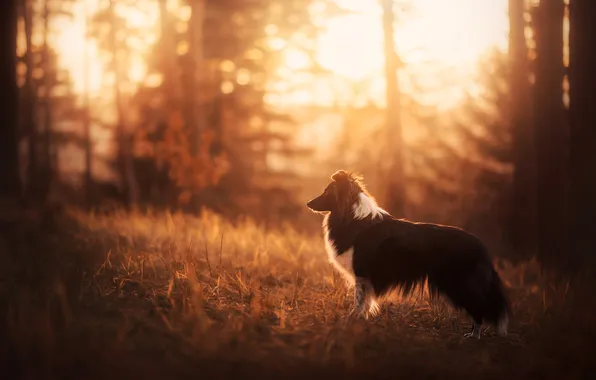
(88, 176)
(582, 40)
(123, 138)
(395, 199)
(168, 55)
(196, 108)
(10, 184)
(551, 136)
(523, 228)
(47, 85)
(46, 162)
(33, 180)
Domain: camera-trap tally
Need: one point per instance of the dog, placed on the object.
(378, 253)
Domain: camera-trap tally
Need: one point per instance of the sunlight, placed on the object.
(431, 35)
(70, 41)
(296, 60)
(446, 32)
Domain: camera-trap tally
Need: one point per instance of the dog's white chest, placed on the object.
(343, 263)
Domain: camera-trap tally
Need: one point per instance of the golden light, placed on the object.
(430, 36)
(296, 60)
(71, 42)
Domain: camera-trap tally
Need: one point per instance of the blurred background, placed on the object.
(246, 107)
(156, 157)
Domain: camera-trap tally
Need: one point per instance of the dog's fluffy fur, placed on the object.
(378, 253)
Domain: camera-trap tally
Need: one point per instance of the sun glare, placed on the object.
(431, 35)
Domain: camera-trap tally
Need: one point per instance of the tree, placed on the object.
(48, 86)
(582, 77)
(394, 142)
(253, 135)
(88, 144)
(551, 134)
(523, 225)
(195, 98)
(173, 127)
(123, 137)
(239, 132)
(108, 28)
(29, 100)
(10, 185)
(466, 170)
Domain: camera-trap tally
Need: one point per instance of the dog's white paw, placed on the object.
(475, 333)
(471, 335)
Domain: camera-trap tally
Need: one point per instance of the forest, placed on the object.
(157, 157)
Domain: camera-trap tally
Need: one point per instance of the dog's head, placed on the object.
(340, 195)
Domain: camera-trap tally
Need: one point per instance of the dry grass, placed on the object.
(164, 295)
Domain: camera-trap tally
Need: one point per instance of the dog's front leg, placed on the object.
(360, 297)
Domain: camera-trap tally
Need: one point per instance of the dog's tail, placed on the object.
(503, 324)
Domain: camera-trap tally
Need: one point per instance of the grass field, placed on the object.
(131, 295)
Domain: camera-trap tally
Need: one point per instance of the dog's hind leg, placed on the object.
(475, 333)
(476, 329)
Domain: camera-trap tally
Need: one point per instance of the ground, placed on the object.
(162, 295)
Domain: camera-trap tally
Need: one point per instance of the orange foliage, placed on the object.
(189, 172)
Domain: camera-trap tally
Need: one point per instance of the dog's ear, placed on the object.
(343, 181)
(347, 181)
(340, 175)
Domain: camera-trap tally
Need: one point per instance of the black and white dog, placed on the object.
(378, 253)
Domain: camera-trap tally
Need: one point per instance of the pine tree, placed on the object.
(239, 132)
(551, 133)
(10, 184)
(582, 78)
(523, 223)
